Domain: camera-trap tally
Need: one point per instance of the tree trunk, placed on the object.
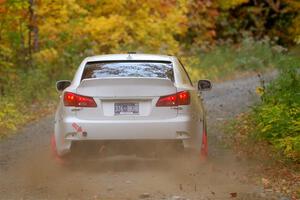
(33, 37)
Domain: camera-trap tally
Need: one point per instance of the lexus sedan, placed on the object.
(130, 97)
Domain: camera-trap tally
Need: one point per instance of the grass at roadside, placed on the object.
(228, 61)
(32, 94)
(21, 107)
(276, 119)
(270, 131)
(276, 172)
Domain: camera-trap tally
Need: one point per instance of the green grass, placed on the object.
(227, 60)
(276, 119)
(26, 99)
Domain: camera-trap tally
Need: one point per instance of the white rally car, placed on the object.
(130, 97)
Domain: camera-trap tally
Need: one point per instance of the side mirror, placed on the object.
(204, 85)
(61, 85)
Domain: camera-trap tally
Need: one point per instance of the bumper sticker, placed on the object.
(77, 128)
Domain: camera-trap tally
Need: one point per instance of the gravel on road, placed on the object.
(28, 170)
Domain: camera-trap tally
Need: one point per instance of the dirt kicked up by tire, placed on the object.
(29, 166)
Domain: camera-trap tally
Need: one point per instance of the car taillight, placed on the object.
(180, 98)
(71, 99)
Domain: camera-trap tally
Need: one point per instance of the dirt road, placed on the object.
(28, 170)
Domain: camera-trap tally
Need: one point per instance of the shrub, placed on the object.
(277, 118)
(227, 59)
(9, 116)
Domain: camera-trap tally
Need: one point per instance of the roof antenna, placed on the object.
(131, 52)
(129, 57)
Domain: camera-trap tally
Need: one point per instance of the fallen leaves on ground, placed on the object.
(272, 173)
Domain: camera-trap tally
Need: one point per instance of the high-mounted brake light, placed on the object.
(180, 98)
(72, 99)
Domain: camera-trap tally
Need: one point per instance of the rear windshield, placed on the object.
(155, 69)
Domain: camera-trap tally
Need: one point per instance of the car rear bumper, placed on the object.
(74, 129)
(175, 128)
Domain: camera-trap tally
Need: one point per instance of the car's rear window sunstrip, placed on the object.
(149, 69)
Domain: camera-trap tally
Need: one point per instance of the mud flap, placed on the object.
(57, 158)
(204, 144)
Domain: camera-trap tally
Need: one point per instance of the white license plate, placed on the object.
(126, 108)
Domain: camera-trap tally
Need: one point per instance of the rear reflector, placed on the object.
(71, 99)
(180, 98)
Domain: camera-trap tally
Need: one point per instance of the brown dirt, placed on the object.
(29, 171)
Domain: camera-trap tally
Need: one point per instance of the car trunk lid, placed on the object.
(126, 98)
